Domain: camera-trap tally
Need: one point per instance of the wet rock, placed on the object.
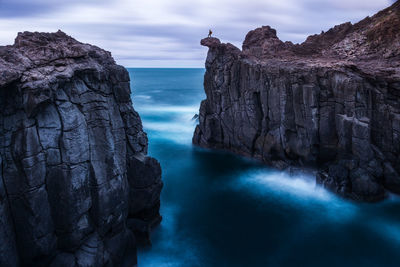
(73, 155)
(364, 186)
(195, 117)
(330, 101)
(8, 248)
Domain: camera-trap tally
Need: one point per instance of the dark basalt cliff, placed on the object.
(75, 181)
(332, 102)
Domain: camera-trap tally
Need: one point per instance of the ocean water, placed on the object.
(222, 210)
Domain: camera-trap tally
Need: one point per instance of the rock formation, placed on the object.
(332, 102)
(73, 167)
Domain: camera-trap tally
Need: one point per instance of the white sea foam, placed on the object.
(169, 127)
(282, 183)
(171, 109)
(297, 191)
(178, 128)
(147, 97)
(179, 131)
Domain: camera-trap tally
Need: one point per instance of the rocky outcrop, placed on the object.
(332, 102)
(74, 171)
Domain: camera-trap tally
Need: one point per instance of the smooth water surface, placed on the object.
(223, 210)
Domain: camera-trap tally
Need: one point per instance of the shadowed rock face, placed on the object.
(74, 171)
(332, 102)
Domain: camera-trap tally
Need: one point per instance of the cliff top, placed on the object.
(372, 44)
(35, 54)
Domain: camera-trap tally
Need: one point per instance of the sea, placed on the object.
(219, 209)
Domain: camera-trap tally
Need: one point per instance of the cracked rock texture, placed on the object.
(73, 167)
(332, 102)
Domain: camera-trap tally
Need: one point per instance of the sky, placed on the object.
(167, 33)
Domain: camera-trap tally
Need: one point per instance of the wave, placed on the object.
(179, 131)
(168, 108)
(283, 183)
(147, 97)
(172, 123)
(299, 191)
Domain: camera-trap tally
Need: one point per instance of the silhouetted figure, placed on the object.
(209, 33)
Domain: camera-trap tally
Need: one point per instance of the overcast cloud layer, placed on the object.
(166, 33)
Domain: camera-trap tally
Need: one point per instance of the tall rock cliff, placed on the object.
(73, 167)
(332, 102)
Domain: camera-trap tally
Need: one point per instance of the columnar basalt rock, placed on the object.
(332, 102)
(74, 169)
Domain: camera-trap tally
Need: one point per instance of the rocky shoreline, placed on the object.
(332, 102)
(76, 186)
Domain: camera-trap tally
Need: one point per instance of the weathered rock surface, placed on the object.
(73, 158)
(332, 102)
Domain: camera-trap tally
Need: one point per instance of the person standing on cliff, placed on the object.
(209, 33)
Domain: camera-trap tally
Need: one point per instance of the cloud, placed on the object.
(164, 33)
(27, 8)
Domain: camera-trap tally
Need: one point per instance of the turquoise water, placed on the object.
(223, 210)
